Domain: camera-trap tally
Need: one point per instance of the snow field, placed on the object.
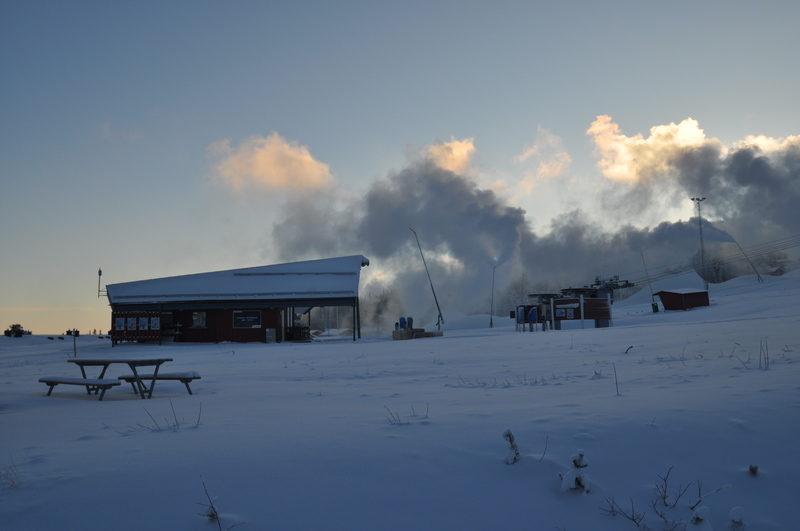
(385, 434)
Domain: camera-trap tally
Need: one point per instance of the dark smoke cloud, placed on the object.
(316, 225)
(452, 213)
(761, 193)
(466, 231)
(754, 195)
(752, 190)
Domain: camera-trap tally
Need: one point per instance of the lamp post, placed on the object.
(491, 311)
(702, 247)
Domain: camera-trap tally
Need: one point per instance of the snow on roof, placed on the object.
(681, 291)
(327, 278)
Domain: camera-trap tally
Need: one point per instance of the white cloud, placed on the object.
(455, 156)
(634, 159)
(268, 163)
(551, 159)
(770, 145)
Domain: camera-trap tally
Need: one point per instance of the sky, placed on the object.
(563, 139)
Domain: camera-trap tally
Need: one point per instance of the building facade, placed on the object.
(239, 305)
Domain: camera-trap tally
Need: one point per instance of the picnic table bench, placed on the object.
(143, 390)
(91, 384)
(183, 377)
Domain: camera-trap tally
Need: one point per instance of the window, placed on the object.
(198, 319)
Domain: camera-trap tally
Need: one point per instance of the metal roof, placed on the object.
(291, 283)
(681, 291)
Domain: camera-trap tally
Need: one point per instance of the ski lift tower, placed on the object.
(100, 291)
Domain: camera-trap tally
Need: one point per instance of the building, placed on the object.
(239, 305)
(602, 288)
(682, 299)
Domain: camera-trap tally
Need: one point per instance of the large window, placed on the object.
(198, 319)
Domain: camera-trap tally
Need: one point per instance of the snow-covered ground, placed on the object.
(382, 434)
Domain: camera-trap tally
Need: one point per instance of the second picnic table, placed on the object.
(132, 363)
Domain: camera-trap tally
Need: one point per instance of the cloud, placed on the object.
(457, 217)
(551, 159)
(758, 188)
(713, 234)
(635, 159)
(752, 187)
(455, 156)
(268, 164)
(768, 145)
(465, 229)
(318, 224)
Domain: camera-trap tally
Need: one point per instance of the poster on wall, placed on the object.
(119, 323)
(131, 323)
(143, 325)
(155, 323)
(247, 318)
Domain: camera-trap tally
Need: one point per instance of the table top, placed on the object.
(134, 362)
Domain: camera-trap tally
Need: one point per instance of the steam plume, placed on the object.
(466, 231)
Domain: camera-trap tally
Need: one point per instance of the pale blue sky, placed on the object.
(109, 112)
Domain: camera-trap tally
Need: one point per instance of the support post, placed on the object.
(698, 200)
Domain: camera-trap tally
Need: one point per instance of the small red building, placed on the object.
(239, 305)
(682, 299)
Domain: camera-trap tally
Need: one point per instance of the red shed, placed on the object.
(682, 299)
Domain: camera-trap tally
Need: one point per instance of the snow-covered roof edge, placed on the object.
(681, 291)
(325, 278)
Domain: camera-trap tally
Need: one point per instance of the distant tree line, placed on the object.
(16, 330)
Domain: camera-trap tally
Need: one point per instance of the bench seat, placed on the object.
(183, 377)
(91, 384)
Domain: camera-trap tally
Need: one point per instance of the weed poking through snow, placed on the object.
(512, 456)
(575, 478)
(211, 511)
(9, 477)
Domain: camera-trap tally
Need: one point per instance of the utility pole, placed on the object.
(491, 311)
(702, 247)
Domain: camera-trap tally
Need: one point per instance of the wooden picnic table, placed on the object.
(130, 362)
